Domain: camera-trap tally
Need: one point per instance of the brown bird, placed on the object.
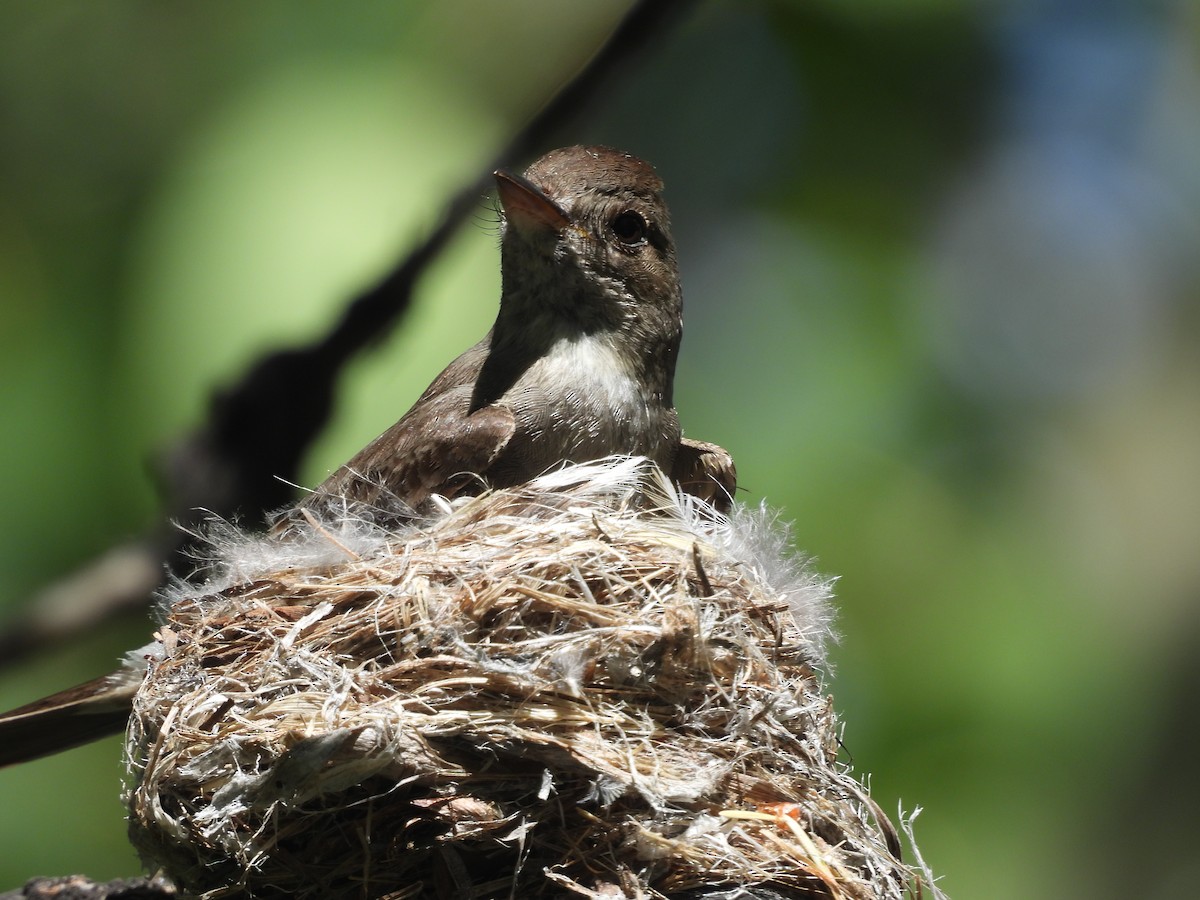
(579, 365)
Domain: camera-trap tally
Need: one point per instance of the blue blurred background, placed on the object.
(941, 269)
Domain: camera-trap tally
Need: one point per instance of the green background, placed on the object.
(940, 260)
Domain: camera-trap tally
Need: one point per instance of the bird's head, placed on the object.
(587, 243)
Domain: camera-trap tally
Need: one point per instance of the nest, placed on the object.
(588, 686)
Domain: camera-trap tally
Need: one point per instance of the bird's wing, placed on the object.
(440, 445)
(705, 471)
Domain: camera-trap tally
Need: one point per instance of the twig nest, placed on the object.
(588, 686)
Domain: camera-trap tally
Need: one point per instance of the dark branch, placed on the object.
(240, 462)
(77, 887)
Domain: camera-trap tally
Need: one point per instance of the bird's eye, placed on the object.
(630, 228)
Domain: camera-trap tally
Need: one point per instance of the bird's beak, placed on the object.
(525, 206)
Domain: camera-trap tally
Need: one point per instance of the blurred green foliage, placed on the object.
(941, 308)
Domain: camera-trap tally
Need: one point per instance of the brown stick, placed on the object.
(242, 460)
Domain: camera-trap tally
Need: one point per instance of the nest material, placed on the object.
(588, 686)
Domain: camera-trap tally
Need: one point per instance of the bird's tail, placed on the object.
(78, 715)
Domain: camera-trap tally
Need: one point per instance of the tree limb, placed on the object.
(242, 460)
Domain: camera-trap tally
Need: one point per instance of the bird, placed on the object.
(579, 365)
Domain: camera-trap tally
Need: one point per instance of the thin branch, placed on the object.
(77, 887)
(241, 461)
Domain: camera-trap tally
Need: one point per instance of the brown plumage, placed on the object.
(579, 365)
